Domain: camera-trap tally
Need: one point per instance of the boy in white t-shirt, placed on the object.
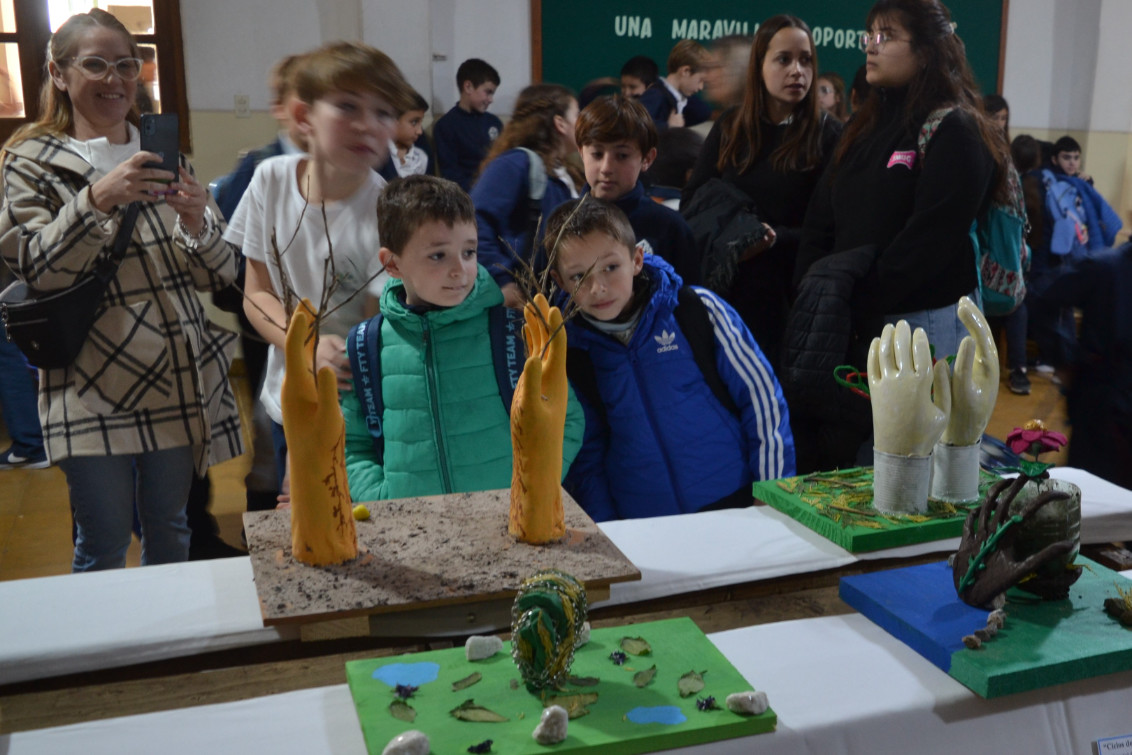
(347, 99)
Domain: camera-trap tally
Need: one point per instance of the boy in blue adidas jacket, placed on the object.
(658, 439)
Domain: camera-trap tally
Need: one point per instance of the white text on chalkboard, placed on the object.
(632, 26)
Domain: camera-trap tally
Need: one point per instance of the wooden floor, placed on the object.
(35, 522)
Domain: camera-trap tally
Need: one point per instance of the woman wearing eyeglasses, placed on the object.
(772, 149)
(147, 400)
(916, 211)
(831, 95)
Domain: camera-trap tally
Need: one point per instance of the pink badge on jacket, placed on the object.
(907, 158)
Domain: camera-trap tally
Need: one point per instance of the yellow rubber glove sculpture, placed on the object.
(906, 424)
(322, 522)
(538, 420)
(969, 404)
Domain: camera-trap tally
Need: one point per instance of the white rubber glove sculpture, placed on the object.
(906, 424)
(974, 389)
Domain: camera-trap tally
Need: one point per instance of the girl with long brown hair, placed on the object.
(914, 204)
(773, 147)
(541, 128)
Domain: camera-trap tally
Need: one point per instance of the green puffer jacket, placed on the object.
(446, 429)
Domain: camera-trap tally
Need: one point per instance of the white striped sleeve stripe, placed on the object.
(760, 382)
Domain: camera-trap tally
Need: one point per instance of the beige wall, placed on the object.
(219, 137)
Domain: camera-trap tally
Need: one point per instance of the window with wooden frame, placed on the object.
(27, 25)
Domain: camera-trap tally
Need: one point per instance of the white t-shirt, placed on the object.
(273, 202)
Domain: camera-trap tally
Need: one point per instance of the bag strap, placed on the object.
(927, 131)
(107, 267)
(363, 346)
(505, 326)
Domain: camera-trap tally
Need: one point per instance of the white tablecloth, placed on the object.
(61, 625)
(80, 622)
(838, 684)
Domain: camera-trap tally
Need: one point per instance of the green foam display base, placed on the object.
(678, 646)
(838, 506)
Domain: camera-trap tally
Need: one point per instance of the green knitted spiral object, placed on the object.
(546, 621)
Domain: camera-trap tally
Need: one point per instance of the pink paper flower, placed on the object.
(1034, 438)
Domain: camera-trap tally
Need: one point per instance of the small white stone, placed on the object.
(479, 647)
(411, 742)
(747, 703)
(996, 619)
(584, 635)
(553, 726)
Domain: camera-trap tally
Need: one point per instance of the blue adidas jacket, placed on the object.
(665, 444)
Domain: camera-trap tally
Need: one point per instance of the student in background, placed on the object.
(877, 190)
(726, 78)
(408, 148)
(773, 148)
(831, 96)
(18, 389)
(464, 134)
(996, 107)
(288, 141)
(617, 140)
(638, 74)
(1013, 325)
(1067, 158)
(525, 176)
(671, 100)
(347, 97)
(661, 436)
(446, 428)
(858, 90)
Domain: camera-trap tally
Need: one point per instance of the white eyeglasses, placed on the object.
(95, 68)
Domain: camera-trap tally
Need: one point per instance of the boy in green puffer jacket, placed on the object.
(429, 410)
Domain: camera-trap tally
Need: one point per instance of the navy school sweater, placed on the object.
(462, 140)
(664, 232)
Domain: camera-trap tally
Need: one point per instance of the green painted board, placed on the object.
(678, 646)
(1042, 644)
(1051, 642)
(838, 506)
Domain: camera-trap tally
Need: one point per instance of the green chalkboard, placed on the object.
(582, 40)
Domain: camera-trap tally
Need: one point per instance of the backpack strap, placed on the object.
(927, 131)
(536, 190)
(363, 346)
(506, 328)
(695, 322)
(583, 379)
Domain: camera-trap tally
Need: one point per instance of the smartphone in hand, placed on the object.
(160, 134)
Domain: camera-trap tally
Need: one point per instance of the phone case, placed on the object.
(160, 135)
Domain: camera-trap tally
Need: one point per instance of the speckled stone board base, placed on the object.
(419, 553)
(838, 505)
(1044, 642)
(622, 718)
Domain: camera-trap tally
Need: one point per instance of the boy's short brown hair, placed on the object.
(687, 52)
(408, 203)
(615, 118)
(350, 66)
(581, 217)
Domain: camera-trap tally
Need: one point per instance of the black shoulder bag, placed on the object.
(51, 328)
